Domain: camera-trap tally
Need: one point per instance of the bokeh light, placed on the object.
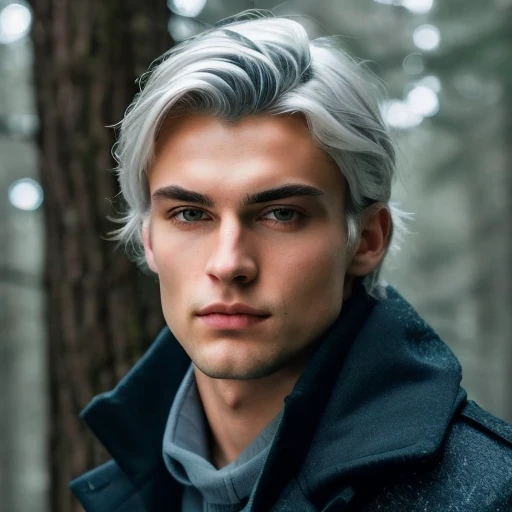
(427, 37)
(181, 27)
(423, 101)
(418, 6)
(413, 64)
(398, 114)
(26, 194)
(15, 22)
(187, 8)
(432, 82)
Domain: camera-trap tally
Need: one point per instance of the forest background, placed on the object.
(75, 314)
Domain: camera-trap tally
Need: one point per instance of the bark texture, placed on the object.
(101, 311)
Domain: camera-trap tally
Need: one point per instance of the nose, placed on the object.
(231, 260)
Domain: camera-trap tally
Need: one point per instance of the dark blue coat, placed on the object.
(376, 422)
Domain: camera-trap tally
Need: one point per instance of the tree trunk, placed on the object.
(101, 311)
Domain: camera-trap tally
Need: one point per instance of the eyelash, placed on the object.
(173, 215)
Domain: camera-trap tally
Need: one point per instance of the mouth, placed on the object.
(233, 316)
(230, 322)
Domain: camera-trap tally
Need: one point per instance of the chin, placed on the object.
(238, 370)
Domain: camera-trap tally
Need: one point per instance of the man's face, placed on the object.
(246, 234)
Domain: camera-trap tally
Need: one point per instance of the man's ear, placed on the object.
(373, 242)
(148, 248)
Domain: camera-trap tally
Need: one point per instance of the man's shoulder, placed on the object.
(477, 418)
(479, 446)
(473, 473)
(479, 451)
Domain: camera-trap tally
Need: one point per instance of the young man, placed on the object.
(257, 173)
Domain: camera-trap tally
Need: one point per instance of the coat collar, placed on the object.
(130, 420)
(381, 389)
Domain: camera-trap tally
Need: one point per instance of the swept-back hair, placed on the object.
(255, 63)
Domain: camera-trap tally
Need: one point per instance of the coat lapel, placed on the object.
(130, 421)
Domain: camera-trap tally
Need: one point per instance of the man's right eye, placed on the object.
(187, 215)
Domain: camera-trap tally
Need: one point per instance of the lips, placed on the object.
(231, 316)
(231, 309)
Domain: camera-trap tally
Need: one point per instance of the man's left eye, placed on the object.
(282, 214)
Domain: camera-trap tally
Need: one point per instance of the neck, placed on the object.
(238, 410)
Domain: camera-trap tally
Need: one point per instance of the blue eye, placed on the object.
(283, 214)
(190, 215)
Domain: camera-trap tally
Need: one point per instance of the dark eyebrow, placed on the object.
(274, 194)
(181, 194)
(177, 193)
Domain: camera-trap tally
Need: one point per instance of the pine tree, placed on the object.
(101, 311)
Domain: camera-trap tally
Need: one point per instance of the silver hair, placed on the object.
(257, 63)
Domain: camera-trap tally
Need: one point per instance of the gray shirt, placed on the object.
(187, 456)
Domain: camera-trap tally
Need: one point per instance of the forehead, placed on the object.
(256, 151)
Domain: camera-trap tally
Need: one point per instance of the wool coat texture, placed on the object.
(377, 422)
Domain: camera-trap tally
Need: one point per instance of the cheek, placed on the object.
(174, 254)
(177, 277)
(180, 265)
(313, 270)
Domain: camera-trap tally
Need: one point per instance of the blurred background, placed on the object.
(75, 315)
